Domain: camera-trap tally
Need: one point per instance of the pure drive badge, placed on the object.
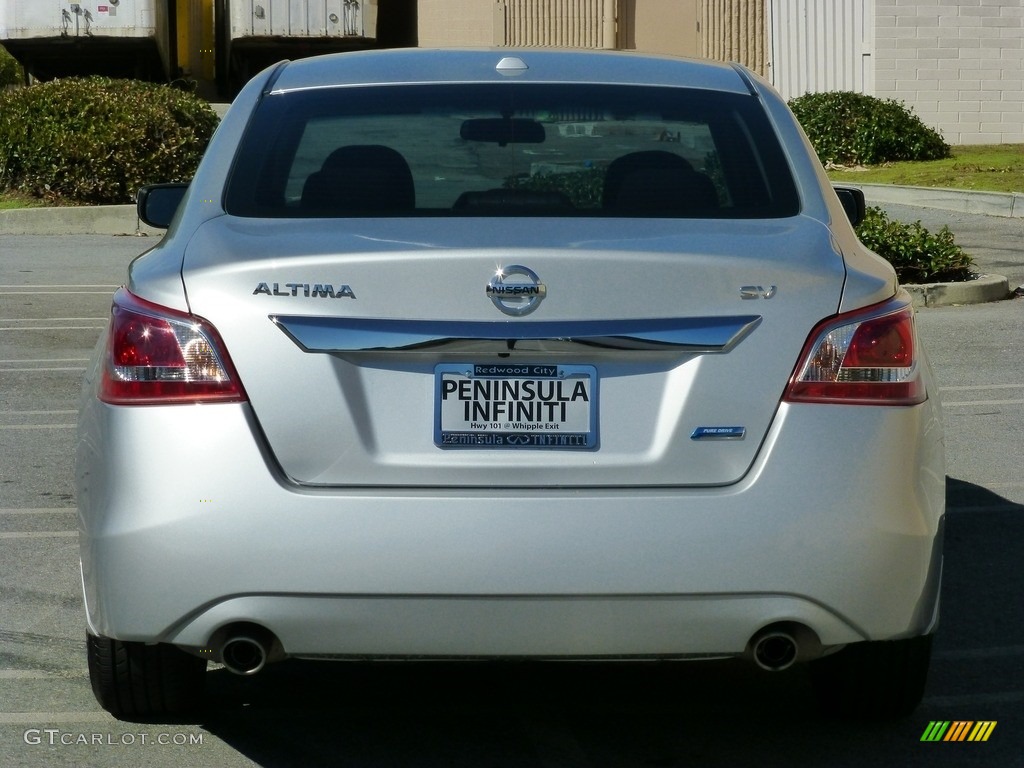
(516, 290)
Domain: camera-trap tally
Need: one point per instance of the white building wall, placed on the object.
(821, 46)
(958, 65)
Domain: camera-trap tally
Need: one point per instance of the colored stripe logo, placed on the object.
(959, 730)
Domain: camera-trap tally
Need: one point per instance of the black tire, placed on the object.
(136, 680)
(873, 680)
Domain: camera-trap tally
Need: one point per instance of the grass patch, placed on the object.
(983, 167)
(11, 200)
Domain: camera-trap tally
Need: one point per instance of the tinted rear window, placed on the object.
(510, 150)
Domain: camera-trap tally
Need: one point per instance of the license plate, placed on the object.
(512, 406)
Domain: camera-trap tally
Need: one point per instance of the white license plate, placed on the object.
(500, 405)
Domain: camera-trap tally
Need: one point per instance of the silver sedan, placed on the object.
(506, 354)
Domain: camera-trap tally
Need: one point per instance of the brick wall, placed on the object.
(959, 65)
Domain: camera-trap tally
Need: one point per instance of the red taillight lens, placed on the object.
(862, 358)
(157, 355)
(885, 343)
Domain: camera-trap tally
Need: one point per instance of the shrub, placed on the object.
(96, 140)
(11, 72)
(583, 188)
(851, 128)
(917, 255)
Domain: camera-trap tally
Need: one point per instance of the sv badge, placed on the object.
(749, 292)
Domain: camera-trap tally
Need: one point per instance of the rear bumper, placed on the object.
(179, 542)
(572, 626)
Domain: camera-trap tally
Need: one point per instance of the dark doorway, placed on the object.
(397, 24)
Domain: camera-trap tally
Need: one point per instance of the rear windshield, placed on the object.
(510, 150)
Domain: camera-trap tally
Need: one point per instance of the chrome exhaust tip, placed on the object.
(775, 651)
(781, 645)
(243, 655)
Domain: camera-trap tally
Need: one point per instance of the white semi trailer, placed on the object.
(56, 38)
(205, 40)
(253, 34)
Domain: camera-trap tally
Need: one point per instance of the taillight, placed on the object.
(156, 356)
(867, 357)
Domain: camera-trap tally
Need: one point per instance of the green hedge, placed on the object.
(11, 72)
(583, 188)
(851, 128)
(96, 140)
(917, 255)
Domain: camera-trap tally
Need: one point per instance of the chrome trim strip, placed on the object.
(719, 433)
(352, 334)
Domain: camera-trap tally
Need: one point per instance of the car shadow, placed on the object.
(716, 713)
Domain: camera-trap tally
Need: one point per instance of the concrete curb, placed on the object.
(79, 220)
(1005, 204)
(986, 288)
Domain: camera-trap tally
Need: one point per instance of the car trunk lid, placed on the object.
(653, 352)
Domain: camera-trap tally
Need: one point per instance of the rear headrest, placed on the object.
(656, 183)
(360, 179)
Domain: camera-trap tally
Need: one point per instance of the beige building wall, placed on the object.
(652, 26)
(457, 22)
(736, 30)
(660, 26)
(729, 30)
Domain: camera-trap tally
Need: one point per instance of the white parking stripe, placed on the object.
(37, 413)
(15, 415)
(982, 402)
(54, 718)
(38, 510)
(33, 323)
(61, 285)
(33, 674)
(38, 426)
(980, 388)
(975, 387)
(52, 293)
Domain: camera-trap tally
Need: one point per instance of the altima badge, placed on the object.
(516, 297)
(314, 290)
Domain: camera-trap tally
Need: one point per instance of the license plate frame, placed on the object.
(527, 406)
